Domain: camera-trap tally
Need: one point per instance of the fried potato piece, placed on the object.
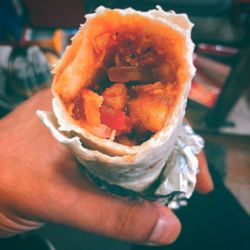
(116, 96)
(148, 112)
(153, 88)
(92, 103)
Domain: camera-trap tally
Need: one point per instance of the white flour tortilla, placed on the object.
(133, 167)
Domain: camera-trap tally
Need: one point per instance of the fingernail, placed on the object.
(166, 230)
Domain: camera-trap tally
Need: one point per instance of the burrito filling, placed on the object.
(131, 92)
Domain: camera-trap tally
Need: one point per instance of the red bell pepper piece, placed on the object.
(117, 120)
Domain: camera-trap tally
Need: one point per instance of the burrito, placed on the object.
(120, 93)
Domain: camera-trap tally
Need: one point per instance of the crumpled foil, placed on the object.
(177, 180)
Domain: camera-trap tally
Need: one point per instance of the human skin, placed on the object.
(40, 182)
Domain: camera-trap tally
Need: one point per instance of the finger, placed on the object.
(204, 180)
(142, 221)
(136, 221)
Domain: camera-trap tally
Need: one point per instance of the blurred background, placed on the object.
(33, 36)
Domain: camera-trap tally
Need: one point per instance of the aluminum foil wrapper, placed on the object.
(177, 180)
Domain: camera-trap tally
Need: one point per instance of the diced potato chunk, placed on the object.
(116, 96)
(92, 103)
(149, 88)
(148, 112)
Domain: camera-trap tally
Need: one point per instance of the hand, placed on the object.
(204, 181)
(40, 182)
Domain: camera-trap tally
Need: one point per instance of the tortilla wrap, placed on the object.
(133, 167)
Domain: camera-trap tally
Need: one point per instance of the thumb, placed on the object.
(134, 221)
